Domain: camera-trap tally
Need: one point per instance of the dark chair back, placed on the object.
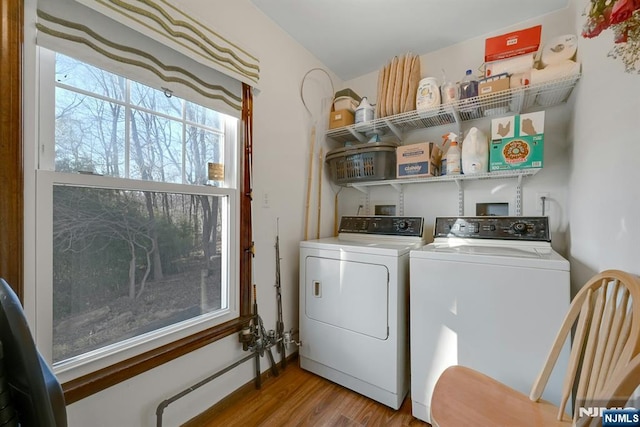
(35, 391)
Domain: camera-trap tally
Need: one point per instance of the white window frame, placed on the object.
(46, 178)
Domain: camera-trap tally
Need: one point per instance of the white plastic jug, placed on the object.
(364, 112)
(475, 152)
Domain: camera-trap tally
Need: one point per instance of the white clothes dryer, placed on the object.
(353, 305)
(489, 293)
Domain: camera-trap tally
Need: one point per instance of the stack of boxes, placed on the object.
(517, 142)
(343, 109)
(509, 59)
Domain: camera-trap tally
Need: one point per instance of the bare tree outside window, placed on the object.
(105, 283)
(127, 262)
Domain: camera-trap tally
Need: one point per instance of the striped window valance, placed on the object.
(193, 65)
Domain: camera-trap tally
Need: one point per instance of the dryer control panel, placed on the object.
(383, 225)
(525, 228)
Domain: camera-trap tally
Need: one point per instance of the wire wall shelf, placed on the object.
(398, 183)
(511, 101)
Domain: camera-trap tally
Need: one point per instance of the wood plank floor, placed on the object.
(300, 398)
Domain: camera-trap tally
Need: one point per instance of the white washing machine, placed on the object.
(353, 305)
(489, 293)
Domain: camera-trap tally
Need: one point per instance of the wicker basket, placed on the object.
(362, 162)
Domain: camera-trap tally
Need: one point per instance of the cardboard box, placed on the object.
(490, 85)
(517, 142)
(341, 118)
(512, 44)
(418, 160)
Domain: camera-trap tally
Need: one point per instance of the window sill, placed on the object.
(87, 385)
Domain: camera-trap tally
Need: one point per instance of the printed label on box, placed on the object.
(413, 151)
(517, 142)
(512, 44)
(412, 169)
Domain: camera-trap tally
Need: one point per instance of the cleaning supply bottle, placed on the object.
(469, 86)
(453, 155)
(475, 152)
(469, 97)
(450, 91)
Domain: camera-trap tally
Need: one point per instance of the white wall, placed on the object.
(282, 129)
(441, 199)
(600, 172)
(603, 200)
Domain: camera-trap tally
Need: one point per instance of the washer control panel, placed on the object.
(383, 225)
(529, 228)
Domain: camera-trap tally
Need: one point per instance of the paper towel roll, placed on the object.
(559, 49)
(559, 70)
(517, 64)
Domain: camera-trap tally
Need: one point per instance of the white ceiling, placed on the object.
(356, 37)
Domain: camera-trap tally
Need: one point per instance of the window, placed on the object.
(137, 211)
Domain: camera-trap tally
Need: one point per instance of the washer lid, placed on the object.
(516, 255)
(472, 245)
(495, 251)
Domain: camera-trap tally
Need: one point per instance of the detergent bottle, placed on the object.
(453, 155)
(475, 152)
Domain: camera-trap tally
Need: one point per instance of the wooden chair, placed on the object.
(604, 364)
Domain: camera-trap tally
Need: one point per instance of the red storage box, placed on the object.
(512, 44)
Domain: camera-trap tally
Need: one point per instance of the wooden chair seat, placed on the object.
(470, 398)
(604, 366)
